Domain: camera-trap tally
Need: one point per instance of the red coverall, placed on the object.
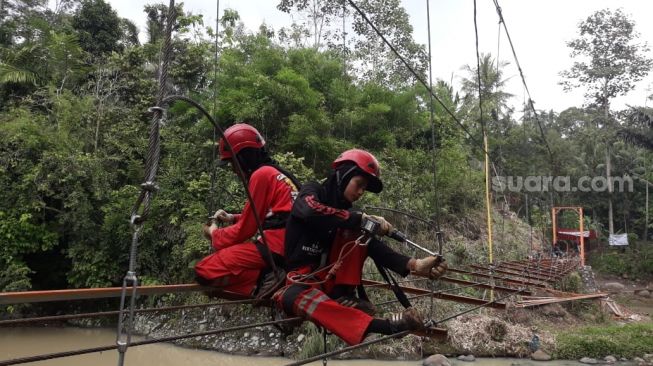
(237, 263)
(313, 303)
(318, 224)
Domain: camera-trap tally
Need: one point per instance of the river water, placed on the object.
(23, 342)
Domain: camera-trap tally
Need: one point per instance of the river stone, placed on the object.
(589, 361)
(467, 358)
(436, 360)
(540, 355)
(610, 359)
(639, 361)
(644, 293)
(648, 357)
(300, 338)
(614, 286)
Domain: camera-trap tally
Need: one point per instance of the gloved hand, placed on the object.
(384, 226)
(223, 216)
(432, 267)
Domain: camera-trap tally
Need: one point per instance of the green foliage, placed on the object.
(74, 134)
(634, 262)
(629, 340)
(314, 343)
(98, 26)
(572, 283)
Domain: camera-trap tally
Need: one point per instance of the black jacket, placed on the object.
(317, 213)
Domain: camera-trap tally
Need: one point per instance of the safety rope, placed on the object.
(84, 351)
(311, 279)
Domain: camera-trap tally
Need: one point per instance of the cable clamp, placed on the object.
(122, 346)
(150, 186)
(156, 109)
(131, 276)
(135, 220)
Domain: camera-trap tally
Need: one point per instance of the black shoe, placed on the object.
(409, 319)
(269, 285)
(356, 303)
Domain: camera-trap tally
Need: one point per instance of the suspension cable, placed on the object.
(523, 79)
(416, 75)
(148, 188)
(214, 108)
(115, 312)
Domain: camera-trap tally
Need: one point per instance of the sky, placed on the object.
(539, 31)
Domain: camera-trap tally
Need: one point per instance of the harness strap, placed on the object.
(399, 293)
(266, 254)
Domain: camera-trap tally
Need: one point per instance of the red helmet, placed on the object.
(365, 162)
(240, 136)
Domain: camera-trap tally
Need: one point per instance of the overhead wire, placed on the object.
(416, 75)
(521, 74)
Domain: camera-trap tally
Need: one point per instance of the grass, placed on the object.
(630, 340)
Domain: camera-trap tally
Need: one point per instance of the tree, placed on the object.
(318, 14)
(375, 61)
(99, 27)
(612, 62)
(495, 99)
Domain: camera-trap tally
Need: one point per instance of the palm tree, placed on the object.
(495, 99)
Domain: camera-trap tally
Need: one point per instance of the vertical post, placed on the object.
(582, 236)
(646, 183)
(554, 226)
(488, 203)
(488, 206)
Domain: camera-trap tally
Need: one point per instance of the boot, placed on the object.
(409, 319)
(270, 283)
(356, 303)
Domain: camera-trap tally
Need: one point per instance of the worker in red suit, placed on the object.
(238, 263)
(324, 259)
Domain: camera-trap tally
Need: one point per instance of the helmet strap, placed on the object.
(340, 178)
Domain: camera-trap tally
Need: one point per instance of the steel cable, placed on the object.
(116, 312)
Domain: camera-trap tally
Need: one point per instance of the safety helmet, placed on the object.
(239, 136)
(365, 162)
